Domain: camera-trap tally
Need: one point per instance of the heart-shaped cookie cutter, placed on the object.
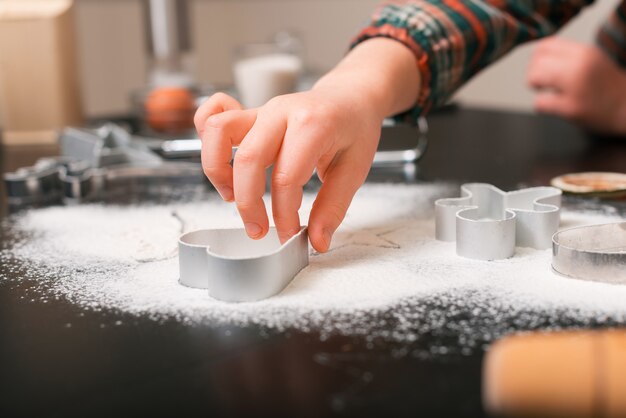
(235, 268)
(488, 223)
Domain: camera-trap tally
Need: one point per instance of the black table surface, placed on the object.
(148, 368)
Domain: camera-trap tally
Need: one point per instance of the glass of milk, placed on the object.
(266, 70)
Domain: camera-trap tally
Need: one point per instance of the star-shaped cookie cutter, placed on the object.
(488, 223)
(235, 268)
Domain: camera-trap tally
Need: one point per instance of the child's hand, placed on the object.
(334, 128)
(581, 83)
(324, 129)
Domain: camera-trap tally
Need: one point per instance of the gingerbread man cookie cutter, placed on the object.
(488, 223)
(235, 268)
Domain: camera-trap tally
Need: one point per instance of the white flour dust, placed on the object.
(386, 276)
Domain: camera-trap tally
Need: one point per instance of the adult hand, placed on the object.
(581, 83)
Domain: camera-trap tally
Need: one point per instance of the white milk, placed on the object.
(260, 78)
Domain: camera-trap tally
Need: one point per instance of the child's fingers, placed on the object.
(258, 150)
(222, 131)
(343, 179)
(285, 205)
(294, 167)
(219, 102)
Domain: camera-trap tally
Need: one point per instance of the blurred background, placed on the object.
(112, 38)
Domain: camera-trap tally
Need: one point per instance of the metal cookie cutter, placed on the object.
(488, 223)
(92, 162)
(235, 268)
(596, 252)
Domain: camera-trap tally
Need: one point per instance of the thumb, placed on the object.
(341, 182)
(218, 103)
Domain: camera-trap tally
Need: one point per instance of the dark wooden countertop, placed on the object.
(144, 368)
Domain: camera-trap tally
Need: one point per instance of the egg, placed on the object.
(170, 110)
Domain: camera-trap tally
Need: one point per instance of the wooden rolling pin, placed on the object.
(560, 374)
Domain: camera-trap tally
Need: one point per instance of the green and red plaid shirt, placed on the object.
(455, 39)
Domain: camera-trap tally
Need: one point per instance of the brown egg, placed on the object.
(170, 109)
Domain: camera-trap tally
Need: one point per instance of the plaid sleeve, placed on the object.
(612, 35)
(454, 39)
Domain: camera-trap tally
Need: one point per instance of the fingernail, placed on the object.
(293, 232)
(227, 193)
(327, 236)
(286, 237)
(253, 230)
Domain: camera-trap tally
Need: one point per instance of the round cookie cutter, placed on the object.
(235, 268)
(596, 252)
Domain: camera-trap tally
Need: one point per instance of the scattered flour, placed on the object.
(385, 276)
